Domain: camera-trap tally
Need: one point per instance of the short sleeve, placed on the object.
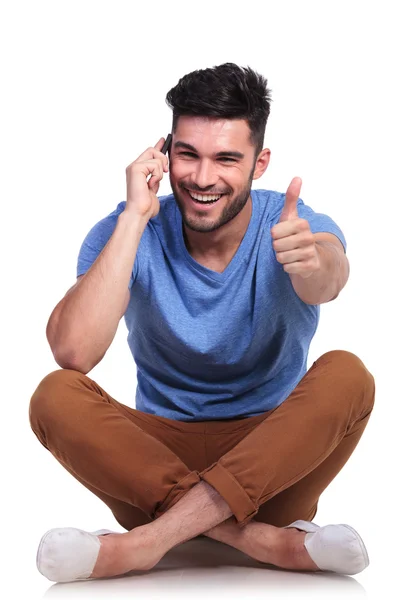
(320, 222)
(96, 240)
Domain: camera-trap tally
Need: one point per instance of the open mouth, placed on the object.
(204, 200)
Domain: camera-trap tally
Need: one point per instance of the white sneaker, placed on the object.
(337, 548)
(68, 554)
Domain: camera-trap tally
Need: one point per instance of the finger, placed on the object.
(299, 268)
(291, 227)
(153, 152)
(297, 254)
(289, 210)
(156, 173)
(154, 184)
(290, 243)
(288, 257)
(160, 144)
(295, 267)
(160, 154)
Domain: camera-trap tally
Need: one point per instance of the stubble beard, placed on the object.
(206, 223)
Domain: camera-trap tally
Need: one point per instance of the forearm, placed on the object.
(83, 325)
(326, 283)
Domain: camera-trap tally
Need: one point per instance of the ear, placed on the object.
(262, 163)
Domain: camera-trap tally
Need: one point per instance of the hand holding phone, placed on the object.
(143, 178)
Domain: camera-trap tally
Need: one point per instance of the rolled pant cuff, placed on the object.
(177, 492)
(231, 491)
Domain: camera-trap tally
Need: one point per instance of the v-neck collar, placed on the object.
(240, 253)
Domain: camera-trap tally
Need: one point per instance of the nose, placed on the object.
(204, 176)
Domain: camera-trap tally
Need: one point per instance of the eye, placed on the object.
(195, 155)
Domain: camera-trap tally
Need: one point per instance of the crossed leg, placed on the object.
(264, 538)
(241, 474)
(199, 509)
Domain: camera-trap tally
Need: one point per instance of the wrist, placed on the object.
(130, 215)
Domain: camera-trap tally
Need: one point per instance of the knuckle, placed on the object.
(308, 238)
(304, 224)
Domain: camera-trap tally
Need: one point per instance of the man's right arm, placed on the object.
(84, 323)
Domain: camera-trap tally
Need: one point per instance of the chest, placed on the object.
(214, 264)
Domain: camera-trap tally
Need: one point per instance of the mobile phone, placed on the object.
(164, 150)
(167, 144)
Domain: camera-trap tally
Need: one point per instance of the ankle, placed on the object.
(150, 539)
(109, 555)
(295, 552)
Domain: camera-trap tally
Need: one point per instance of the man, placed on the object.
(220, 287)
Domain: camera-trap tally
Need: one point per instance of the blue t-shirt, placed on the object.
(208, 345)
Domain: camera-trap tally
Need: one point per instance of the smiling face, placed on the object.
(210, 157)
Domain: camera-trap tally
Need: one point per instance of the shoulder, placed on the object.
(270, 202)
(167, 207)
(165, 219)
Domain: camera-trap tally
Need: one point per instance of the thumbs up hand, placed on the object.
(294, 242)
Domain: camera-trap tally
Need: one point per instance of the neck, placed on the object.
(221, 242)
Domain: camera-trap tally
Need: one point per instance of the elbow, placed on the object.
(74, 362)
(66, 363)
(67, 357)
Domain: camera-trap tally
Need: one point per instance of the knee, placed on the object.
(352, 373)
(52, 395)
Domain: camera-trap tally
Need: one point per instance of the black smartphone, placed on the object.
(167, 144)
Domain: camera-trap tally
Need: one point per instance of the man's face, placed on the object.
(201, 161)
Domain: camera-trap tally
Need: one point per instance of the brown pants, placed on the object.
(272, 467)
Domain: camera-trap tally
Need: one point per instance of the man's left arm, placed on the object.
(329, 279)
(316, 262)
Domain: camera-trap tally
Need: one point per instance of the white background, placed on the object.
(83, 88)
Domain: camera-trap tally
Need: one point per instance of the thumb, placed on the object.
(289, 210)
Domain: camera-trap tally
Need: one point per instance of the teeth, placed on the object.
(205, 197)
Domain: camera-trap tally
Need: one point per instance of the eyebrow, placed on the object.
(232, 153)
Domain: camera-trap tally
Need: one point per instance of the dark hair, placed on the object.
(225, 91)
